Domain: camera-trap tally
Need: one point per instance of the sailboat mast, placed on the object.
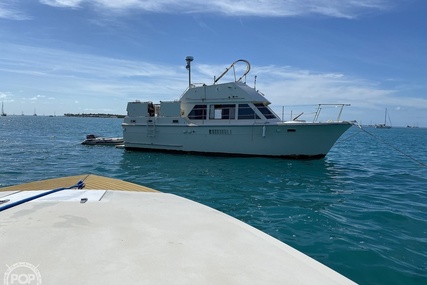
(385, 117)
(2, 109)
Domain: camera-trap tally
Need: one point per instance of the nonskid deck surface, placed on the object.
(91, 182)
(140, 237)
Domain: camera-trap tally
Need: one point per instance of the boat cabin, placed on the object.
(232, 101)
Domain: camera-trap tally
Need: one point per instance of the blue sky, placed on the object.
(81, 56)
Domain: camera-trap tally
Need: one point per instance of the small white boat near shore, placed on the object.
(108, 231)
(228, 119)
(96, 140)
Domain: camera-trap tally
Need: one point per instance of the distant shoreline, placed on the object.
(94, 115)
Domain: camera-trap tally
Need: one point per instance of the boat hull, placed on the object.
(103, 141)
(295, 140)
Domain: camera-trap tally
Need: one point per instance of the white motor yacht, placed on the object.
(228, 119)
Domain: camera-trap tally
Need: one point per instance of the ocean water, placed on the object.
(362, 210)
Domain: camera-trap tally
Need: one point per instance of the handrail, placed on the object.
(315, 113)
(319, 108)
(248, 68)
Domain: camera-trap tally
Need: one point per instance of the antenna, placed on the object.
(189, 59)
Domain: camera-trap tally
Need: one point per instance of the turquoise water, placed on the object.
(361, 211)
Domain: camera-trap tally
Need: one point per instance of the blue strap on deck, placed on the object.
(79, 185)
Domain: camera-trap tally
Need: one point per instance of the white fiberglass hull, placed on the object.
(116, 232)
(282, 139)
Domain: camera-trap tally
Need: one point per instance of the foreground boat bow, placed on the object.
(115, 232)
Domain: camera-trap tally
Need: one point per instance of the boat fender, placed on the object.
(263, 131)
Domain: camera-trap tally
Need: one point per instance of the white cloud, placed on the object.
(7, 11)
(287, 85)
(118, 77)
(116, 80)
(62, 3)
(264, 8)
(35, 98)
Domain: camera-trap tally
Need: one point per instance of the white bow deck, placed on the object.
(125, 237)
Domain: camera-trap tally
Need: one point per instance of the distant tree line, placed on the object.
(98, 115)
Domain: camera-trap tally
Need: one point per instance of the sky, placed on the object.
(93, 56)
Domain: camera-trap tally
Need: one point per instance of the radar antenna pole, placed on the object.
(189, 59)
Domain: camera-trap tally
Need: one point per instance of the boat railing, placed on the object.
(321, 106)
(248, 68)
(299, 113)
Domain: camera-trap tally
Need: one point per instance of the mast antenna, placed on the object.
(189, 59)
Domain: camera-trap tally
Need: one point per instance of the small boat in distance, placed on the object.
(3, 114)
(96, 140)
(384, 126)
(227, 119)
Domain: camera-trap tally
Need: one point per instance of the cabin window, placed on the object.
(246, 112)
(222, 112)
(265, 111)
(219, 132)
(198, 113)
